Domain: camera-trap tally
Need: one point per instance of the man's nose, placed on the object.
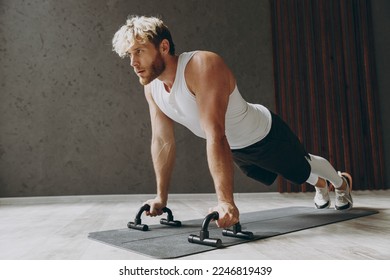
(133, 62)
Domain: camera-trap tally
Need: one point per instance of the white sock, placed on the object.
(320, 167)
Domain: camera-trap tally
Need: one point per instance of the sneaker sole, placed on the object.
(325, 206)
(344, 207)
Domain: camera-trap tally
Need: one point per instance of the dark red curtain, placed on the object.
(325, 84)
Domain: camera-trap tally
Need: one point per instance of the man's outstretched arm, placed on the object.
(212, 83)
(163, 151)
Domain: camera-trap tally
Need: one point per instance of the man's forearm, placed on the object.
(163, 155)
(221, 167)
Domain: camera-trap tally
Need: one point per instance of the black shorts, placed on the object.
(279, 153)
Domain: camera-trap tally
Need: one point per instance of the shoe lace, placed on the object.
(341, 194)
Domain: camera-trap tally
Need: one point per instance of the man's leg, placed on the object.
(257, 173)
(281, 152)
(321, 198)
(321, 173)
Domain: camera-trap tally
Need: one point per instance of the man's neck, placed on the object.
(169, 74)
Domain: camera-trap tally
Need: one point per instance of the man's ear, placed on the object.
(164, 46)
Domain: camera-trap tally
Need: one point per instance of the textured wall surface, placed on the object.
(73, 118)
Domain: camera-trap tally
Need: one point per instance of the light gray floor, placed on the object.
(49, 228)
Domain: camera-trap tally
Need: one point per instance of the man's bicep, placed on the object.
(162, 125)
(212, 106)
(212, 97)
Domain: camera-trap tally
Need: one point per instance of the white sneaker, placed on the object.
(344, 197)
(321, 199)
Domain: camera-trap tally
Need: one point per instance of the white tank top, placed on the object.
(245, 123)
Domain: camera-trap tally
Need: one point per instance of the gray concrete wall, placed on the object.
(73, 119)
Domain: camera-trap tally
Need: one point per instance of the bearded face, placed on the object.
(148, 72)
(147, 61)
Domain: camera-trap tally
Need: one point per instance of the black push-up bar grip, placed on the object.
(169, 221)
(137, 224)
(203, 237)
(237, 232)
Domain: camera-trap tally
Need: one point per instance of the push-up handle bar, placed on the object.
(204, 237)
(137, 224)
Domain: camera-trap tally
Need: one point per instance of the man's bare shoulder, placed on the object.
(148, 92)
(206, 58)
(207, 66)
(204, 64)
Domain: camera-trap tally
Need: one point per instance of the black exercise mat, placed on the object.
(166, 242)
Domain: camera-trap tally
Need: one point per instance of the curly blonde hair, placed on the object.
(141, 29)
